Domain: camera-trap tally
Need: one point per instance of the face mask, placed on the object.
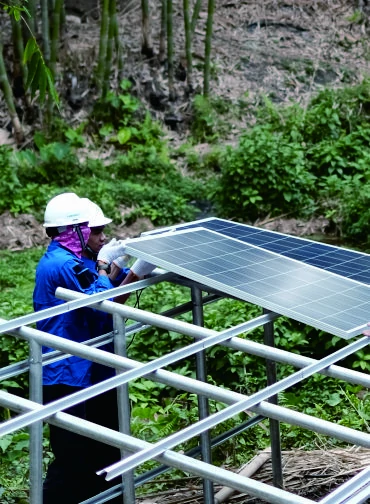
(70, 238)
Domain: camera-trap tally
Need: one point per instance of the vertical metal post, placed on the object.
(123, 401)
(35, 430)
(277, 470)
(201, 374)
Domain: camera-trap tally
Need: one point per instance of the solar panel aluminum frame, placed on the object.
(302, 312)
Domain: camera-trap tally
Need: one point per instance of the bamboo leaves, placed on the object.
(39, 75)
(15, 11)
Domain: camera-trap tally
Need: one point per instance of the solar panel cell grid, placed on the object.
(321, 255)
(314, 296)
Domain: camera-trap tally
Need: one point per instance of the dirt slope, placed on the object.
(285, 49)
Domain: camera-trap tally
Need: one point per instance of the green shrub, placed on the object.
(9, 180)
(334, 112)
(346, 155)
(123, 120)
(208, 121)
(144, 162)
(265, 174)
(56, 162)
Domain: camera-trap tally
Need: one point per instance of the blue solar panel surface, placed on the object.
(344, 262)
(287, 286)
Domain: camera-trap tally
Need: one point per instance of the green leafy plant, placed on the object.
(362, 360)
(39, 75)
(9, 181)
(264, 175)
(120, 118)
(207, 123)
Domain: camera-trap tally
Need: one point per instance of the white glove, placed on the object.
(142, 268)
(112, 250)
(122, 261)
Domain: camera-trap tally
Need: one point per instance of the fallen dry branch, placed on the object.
(311, 474)
(248, 471)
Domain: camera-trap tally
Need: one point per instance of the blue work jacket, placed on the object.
(102, 323)
(61, 268)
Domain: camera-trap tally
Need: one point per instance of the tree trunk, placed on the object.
(7, 90)
(147, 44)
(208, 47)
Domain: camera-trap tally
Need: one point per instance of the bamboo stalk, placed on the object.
(32, 19)
(55, 36)
(8, 95)
(208, 47)
(118, 47)
(195, 16)
(170, 50)
(188, 45)
(45, 30)
(162, 35)
(19, 69)
(147, 44)
(110, 45)
(103, 43)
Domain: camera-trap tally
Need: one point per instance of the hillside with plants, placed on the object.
(267, 123)
(270, 120)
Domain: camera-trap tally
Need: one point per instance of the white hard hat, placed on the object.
(95, 213)
(65, 209)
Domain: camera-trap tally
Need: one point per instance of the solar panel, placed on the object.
(314, 296)
(343, 262)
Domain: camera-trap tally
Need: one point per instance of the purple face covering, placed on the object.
(70, 239)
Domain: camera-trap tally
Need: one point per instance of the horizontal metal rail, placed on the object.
(247, 346)
(354, 491)
(56, 355)
(193, 452)
(228, 397)
(125, 377)
(173, 459)
(262, 408)
(31, 318)
(197, 428)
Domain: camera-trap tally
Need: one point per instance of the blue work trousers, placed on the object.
(71, 477)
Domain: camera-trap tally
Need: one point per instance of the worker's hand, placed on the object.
(122, 261)
(112, 250)
(142, 268)
(367, 332)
